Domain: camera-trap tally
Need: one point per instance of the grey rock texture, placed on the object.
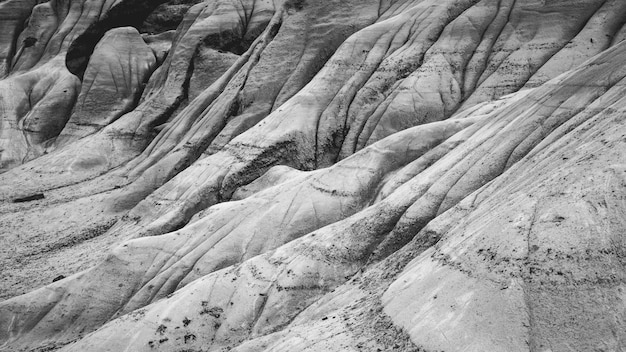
(121, 63)
(258, 175)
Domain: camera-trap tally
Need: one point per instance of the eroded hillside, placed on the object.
(309, 175)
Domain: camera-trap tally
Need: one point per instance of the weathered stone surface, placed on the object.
(534, 260)
(160, 44)
(112, 84)
(13, 13)
(308, 175)
(35, 107)
(167, 16)
(40, 92)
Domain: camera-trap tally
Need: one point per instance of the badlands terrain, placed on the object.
(312, 175)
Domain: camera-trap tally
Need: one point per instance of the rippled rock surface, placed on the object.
(302, 175)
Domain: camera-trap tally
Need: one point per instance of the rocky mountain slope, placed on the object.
(303, 175)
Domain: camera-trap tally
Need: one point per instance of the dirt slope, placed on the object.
(307, 175)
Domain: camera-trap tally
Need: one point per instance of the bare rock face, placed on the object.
(40, 92)
(112, 84)
(304, 175)
(167, 16)
(12, 16)
(35, 108)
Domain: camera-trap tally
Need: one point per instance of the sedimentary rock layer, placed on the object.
(306, 175)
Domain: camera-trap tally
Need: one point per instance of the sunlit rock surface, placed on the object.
(312, 175)
(112, 84)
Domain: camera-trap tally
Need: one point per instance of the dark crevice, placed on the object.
(297, 5)
(227, 42)
(167, 16)
(30, 198)
(14, 51)
(127, 13)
